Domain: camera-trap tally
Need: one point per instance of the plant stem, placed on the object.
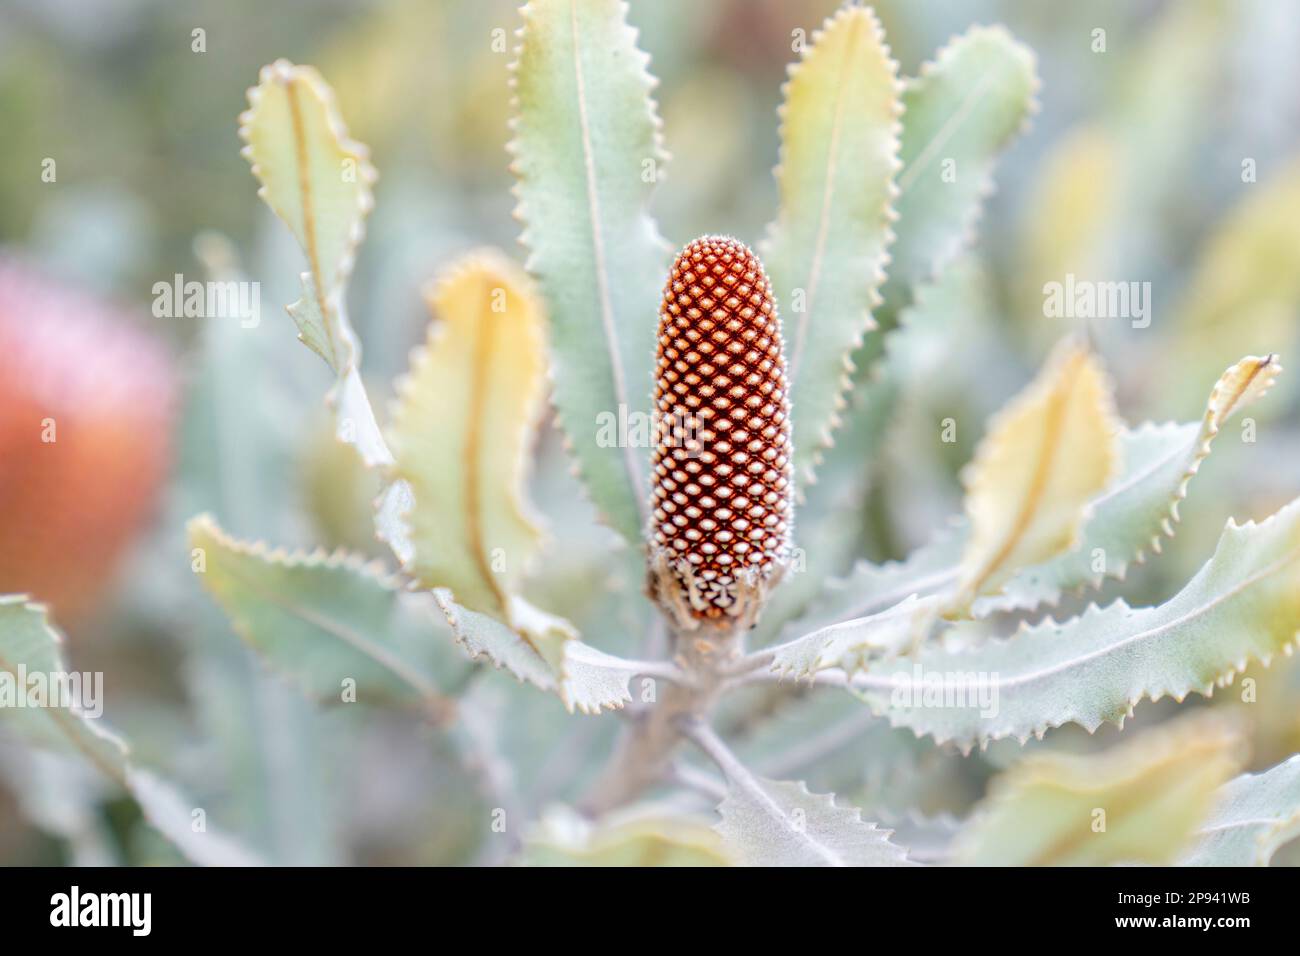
(737, 774)
(644, 753)
(704, 737)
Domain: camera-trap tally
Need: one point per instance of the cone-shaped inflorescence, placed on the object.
(722, 498)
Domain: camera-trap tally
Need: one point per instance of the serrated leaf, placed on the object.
(1049, 452)
(1137, 511)
(962, 110)
(28, 643)
(1254, 815)
(1243, 605)
(314, 178)
(780, 823)
(1128, 519)
(324, 620)
(29, 646)
(461, 428)
(318, 181)
(586, 154)
(827, 248)
(544, 650)
(566, 839)
(1138, 802)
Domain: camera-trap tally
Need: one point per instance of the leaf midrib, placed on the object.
(1043, 469)
(306, 198)
(601, 265)
(345, 634)
(484, 334)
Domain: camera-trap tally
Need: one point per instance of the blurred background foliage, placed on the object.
(1133, 170)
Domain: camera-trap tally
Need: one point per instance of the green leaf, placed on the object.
(966, 106)
(463, 423)
(544, 651)
(318, 181)
(826, 250)
(1129, 518)
(29, 644)
(29, 649)
(780, 823)
(586, 155)
(964, 109)
(1139, 802)
(1244, 605)
(1254, 815)
(566, 839)
(324, 620)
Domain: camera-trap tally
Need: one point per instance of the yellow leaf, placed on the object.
(1245, 289)
(1140, 802)
(461, 429)
(826, 251)
(565, 839)
(1046, 454)
(1071, 207)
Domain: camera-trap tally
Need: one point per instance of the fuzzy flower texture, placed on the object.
(722, 500)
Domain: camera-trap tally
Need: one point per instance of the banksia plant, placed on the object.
(727, 478)
(721, 509)
(87, 403)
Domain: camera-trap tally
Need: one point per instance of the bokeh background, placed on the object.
(1172, 157)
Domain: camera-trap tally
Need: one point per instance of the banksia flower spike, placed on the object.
(86, 409)
(722, 499)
